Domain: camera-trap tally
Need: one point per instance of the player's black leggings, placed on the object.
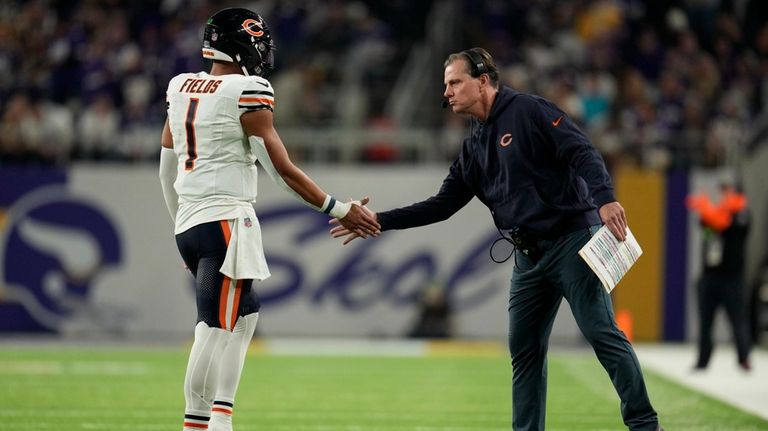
(220, 300)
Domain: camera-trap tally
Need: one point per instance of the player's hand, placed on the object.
(359, 221)
(613, 216)
(341, 230)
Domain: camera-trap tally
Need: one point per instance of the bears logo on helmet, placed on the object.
(249, 24)
(240, 36)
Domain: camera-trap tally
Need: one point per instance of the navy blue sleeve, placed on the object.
(573, 147)
(453, 195)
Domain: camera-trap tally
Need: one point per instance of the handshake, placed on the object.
(360, 222)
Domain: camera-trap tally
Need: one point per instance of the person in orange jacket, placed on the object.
(725, 226)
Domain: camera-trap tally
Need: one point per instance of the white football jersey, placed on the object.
(216, 175)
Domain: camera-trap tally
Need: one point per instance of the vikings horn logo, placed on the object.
(53, 253)
(253, 27)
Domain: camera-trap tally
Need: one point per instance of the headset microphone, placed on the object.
(444, 104)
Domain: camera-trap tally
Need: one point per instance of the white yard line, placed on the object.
(56, 367)
(344, 346)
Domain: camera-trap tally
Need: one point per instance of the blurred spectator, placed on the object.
(707, 80)
(596, 91)
(626, 68)
(58, 132)
(562, 93)
(647, 53)
(98, 130)
(33, 129)
(636, 117)
(670, 103)
(14, 128)
(303, 94)
(726, 133)
(600, 25)
(687, 144)
(139, 123)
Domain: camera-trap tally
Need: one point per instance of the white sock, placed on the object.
(202, 375)
(221, 416)
(232, 360)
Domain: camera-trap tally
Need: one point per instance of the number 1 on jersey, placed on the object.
(189, 124)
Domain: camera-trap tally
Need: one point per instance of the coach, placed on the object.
(548, 190)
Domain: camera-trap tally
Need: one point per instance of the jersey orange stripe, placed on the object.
(236, 302)
(225, 230)
(225, 284)
(257, 99)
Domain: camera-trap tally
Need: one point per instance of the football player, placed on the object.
(219, 124)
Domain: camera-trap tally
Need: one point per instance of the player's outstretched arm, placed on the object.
(273, 156)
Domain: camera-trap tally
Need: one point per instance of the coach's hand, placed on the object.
(613, 216)
(342, 229)
(359, 221)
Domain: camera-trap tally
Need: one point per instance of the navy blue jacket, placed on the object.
(528, 163)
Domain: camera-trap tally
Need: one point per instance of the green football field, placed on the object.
(140, 389)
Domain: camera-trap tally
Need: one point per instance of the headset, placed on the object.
(476, 64)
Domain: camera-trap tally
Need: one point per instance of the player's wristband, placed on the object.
(335, 208)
